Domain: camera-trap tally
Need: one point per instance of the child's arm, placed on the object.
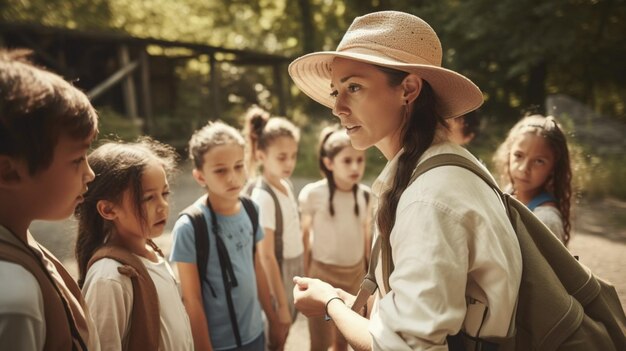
(306, 222)
(277, 331)
(192, 299)
(272, 272)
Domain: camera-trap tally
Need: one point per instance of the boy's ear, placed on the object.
(198, 175)
(411, 86)
(11, 171)
(328, 163)
(106, 209)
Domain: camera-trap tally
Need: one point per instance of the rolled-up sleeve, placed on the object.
(427, 298)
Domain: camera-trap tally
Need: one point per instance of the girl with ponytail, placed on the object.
(455, 263)
(335, 216)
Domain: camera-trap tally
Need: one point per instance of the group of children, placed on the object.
(235, 257)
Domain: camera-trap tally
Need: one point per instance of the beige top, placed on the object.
(452, 239)
(339, 239)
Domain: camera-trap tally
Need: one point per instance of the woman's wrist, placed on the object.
(326, 314)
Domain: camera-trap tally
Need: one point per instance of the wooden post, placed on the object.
(112, 80)
(145, 90)
(280, 91)
(128, 86)
(215, 86)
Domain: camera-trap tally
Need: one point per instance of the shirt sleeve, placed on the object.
(110, 301)
(427, 298)
(551, 217)
(183, 241)
(304, 200)
(267, 208)
(260, 234)
(22, 324)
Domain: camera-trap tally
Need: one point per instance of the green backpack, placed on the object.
(561, 304)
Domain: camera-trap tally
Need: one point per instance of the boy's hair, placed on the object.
(118, 167)
(260, 131)
(36, 108)
(471, 124)
(560, 183)
(332, 140)
(212, 135)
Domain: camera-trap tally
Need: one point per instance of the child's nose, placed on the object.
(90, 175)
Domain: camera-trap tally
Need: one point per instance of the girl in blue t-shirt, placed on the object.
(223, 305)
(534, 163)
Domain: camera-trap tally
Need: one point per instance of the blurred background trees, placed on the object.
(519, 52)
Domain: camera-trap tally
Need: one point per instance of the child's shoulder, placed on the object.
(23, 295)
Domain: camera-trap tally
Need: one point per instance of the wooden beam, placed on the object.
(128, 85)
(280, 91)
(112, 80)
(145, 91)
(215, 87)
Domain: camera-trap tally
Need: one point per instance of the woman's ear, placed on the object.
(411, 87)
(328, 163)
(106, 209)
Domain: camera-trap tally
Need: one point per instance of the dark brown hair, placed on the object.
(36, 108)
(260, 131)
(329, 148)
(560, 183)
(118, 167)
(417, 135)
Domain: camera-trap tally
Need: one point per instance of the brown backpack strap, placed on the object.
(58, 319)
(145, 321)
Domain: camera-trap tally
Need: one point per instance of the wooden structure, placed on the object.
(117, 70)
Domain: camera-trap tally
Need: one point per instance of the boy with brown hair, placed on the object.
(46, 128)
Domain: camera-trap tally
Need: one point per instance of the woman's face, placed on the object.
(368, 107)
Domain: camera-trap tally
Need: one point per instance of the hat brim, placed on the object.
(455, 94)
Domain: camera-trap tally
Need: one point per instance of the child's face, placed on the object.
(55, 192)
(347, 167)
(531, 162)
(279, 159)
(154, 193)
(223, 171)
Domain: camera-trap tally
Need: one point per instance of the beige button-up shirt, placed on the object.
(452, 239)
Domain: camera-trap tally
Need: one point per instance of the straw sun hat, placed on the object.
(391, 39)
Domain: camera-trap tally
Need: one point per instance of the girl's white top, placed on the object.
(451, 240)
(339, 239)
(292, 235)
(109, 296)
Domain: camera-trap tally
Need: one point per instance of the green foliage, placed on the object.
(113, 126)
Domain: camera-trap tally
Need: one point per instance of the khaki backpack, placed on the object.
(561, 304)
(145, 321)
(65, 330)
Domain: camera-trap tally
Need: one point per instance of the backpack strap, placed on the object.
(540, 199)
(145, 322)
(62, 331)
(201, 239)
(248, 205)
(278, 232)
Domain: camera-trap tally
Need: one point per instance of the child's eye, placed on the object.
(148, 198)
(238, 167)
(334, 93)
(220, 171)
(79, 160)
(165, 194)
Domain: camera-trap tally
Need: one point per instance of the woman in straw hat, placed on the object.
(456, 264)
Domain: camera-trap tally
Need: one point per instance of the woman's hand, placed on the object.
(310, 295)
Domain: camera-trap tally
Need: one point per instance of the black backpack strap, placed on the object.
(228, 275)
(201, 238)
(278, 232)
(248, 205)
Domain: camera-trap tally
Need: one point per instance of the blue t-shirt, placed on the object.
(236, 233)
